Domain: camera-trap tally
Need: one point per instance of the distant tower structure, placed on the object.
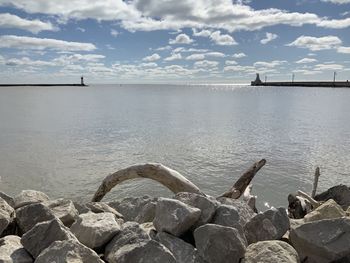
(257, 81)
(82, 81)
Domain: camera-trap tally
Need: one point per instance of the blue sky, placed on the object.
(173, 41)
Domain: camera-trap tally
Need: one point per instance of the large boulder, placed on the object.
(244, 210)
(219, 244)
(339, 193)
(175, 217)
(27, 197)
(68, 251)
(139, 209)
(29, 215)
(81, 208)
(64, 210)
(206, 204)
(6, 215)
(227, 215)
(149, 251)
(8, 199)
(42, 235)
(182, 251)
(130, 233)
(273, 251)
(270, 225)
(322, 241)
(95, 230)
(100, 207)
(327, 210)
(12, 251)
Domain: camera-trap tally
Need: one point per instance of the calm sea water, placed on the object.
(65, 140)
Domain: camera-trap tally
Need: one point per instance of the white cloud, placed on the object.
(35, 26)
(206, 64)
(268, 38)
(195, 57)
(74, 58)
(335, 23)
(323, 67)
(151, 58)
(202, 33)
(316, 43)
(270, 64)
(174, 56)
(223, 40)
(114, 33)
(239, 55)
(181, 39)
(337, 1)
(344, 50)
(306, 60)
(163, 48)
(202, 56)
(231, 62)
(25, 61)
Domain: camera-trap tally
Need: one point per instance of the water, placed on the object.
(65, 140)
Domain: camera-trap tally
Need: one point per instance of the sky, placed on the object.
(173, 41)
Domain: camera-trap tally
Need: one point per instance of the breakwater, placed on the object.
(42, 85)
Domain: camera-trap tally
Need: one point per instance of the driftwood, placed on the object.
(158, 172)
(249, 198)
(309, 199)
(242, 183)
(314, 187)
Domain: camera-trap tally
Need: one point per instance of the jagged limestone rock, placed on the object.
(95, 230)
(64, 210)
(328, 210)
(175, 217)
(12, 251)
(100, 207)
(68, 251)
(8, 199)
(219, 244)
(227, 215)
(6, 215)
(27, 197)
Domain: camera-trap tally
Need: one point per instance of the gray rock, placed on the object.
(27, 197)
(244, 211)
(130, 233)
(42, 235)
(95, 230)
(219, 244)
(206, 204)
(12, 251)
(328, 210)
(182, 251)
(150, 229)
(82, 208)
(6, 215)
(322, 241)
(175, 217)
(270, 225)
(274, 251)
(68, 251)
(64, 210)
(28, 216)
(135, 208)
(227, 215)
(149, 251)
(8, 199)
(147, 213)
(100, 207)
(339, 193)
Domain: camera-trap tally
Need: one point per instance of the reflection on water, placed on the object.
(65, 140)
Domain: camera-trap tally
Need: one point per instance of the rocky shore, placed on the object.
(187, 228)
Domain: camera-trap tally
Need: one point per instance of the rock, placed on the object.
(27, 197)
(219, 244)
(8, 199)
(28, 216)
(82, 208)
(6, 215)
(95, 230)
(348, 211)
(340, 194)
(12, 251)
(42, 235)
(322, 241)
(130, 233)
(68, 251)
(182, 251)
(100, 207)
(270, 225)
(136, 208)
(174, 217)
(64, 210)
(245, 212)
(206, 204)
(274, 251)
(150, 229)
(227, 215)
(328, 210)
(148, 251)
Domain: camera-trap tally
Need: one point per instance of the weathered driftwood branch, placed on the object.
(309, 199)
(249, 198)
(241, 184)
(314, 187)
(171, 179)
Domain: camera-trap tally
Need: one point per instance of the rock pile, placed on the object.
(189, 228)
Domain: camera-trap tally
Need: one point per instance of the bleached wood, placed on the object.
(314, 186)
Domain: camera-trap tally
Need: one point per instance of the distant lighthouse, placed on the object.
(82, 81)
